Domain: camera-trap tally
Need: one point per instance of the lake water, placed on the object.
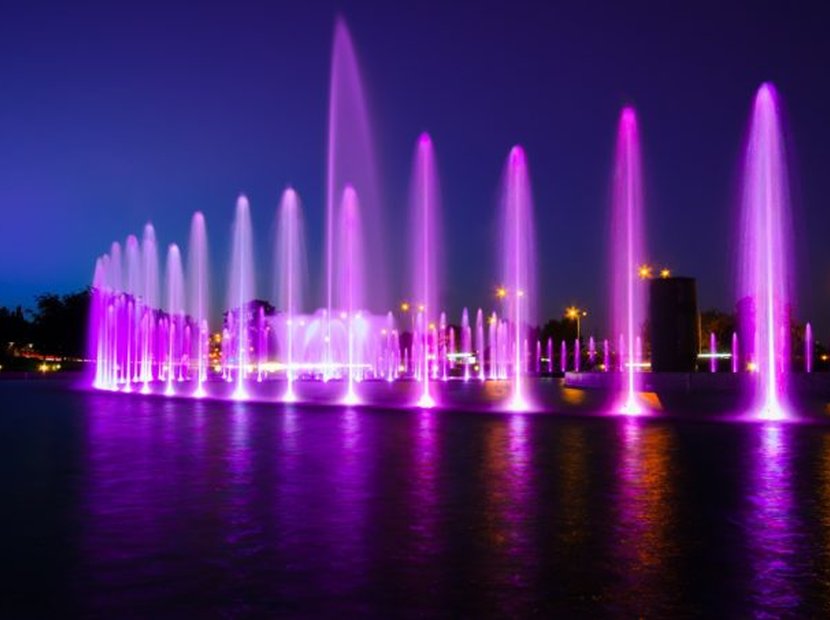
(121, 506)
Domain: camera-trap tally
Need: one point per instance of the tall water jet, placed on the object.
(198, 296)
(150, 271)
(241, 291)
(765, 284)
(426, 247)
(175, 316)
(350, 282)
(518, 261)
(480, 344)
(290, 269)
(808, 348)
(628, 252)
(351, 161)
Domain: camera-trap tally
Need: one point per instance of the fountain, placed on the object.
(518, 263)
(351, 161)
(241, 293)
(174, 322)
(628, 252)
(290, 270)
(353, 348)
(765, 282)
(426, 252)
(197, 277)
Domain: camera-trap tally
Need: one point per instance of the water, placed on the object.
(427, 248)
(518, 255)
(627, 255)
(765, 289)
(128, 507)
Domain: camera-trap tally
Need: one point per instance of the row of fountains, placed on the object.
(154, 334)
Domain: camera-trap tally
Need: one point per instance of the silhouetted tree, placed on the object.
(60, 323)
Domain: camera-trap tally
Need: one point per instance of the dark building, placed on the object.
(673, 324)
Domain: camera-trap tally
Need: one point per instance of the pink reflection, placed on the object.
(772, 522)
(509, 494)
(644, 537)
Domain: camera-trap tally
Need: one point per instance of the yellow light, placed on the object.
(824, 357)
(501, 292)
(665, 273)
(644, 272)
(572, 312)
(405, 306)
(752, 367)
(432, 326)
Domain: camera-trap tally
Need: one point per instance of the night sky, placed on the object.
(114, 114)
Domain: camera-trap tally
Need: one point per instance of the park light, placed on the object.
(644, 272)
(576, 314)
(404, 306)
(665, 273)
(501, 292)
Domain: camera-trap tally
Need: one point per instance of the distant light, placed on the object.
(752, 367)
(644, 272)
(665, 273)
(404, 306)
(501, 292)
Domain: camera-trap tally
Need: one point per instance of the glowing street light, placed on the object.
(644, 272)
(404, 306)
(575, 314)
(501, 292)
(665, 273)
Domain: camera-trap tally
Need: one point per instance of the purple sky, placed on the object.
(114, 114)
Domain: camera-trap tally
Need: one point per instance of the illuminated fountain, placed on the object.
(627, 253)
(291, 274)
(350, 291)
(197, 278)
(519, 268)
(765, 281)
(240, 293)
(152, 332)
(425, 210)
(350, 161)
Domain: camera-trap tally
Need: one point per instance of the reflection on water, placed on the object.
(508, 512)
(645, 540)
(222, 509)
(772, 523)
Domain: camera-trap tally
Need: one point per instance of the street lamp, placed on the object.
(575, 314)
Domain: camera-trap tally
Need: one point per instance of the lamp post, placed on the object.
(575, 314)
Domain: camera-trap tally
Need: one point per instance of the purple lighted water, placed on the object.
(765, 279)
(518, 255)
(627, 254)
(147, 505)
(427, 248)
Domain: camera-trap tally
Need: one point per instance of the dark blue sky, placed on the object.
(113, 114)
